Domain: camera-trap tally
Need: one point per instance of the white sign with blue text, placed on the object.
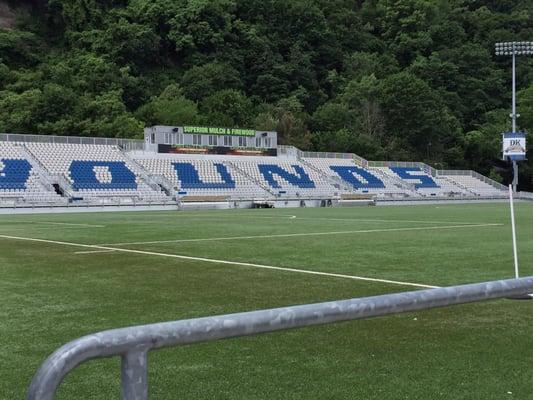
(514, 146)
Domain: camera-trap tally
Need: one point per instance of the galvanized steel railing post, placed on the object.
(134, 372)
(133, 343)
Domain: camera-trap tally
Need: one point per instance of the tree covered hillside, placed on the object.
(387, 79)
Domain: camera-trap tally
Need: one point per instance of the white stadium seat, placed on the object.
(104, 174)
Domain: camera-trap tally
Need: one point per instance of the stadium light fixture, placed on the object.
(514, 49)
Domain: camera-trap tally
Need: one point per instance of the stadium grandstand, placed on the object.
(173, 166)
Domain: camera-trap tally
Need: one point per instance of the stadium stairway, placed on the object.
(459, 184)
(333, 180)
(46, 180)
(394, 180)
(21, 182)
(157, 183)
(202, 176)
(61, 185)
(242, 172)
(97, 174)
(476, 183)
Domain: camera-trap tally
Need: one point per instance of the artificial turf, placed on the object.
(51, 295)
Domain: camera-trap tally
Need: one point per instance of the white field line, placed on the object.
(295, 217)
(40, 228)
(390, 220)
(25, 229)
(55, 223)
(70, 224)
(226, 262)
(283, 235)
(93, 251)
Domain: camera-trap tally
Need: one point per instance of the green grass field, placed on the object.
(51, 294)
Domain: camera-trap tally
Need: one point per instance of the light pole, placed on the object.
(514, 49)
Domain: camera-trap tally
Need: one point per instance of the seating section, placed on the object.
(189, 176)
(359, 177)
(96, 172)
(205, 176)
(416, 176)
(396, 187)
(19, 182)
(104, 174)
(427, 185)
(286, 178)
(390, 181)
(362, 180)
(474, 185)
(449, 188)
(15, 174)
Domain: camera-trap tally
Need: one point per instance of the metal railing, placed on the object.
(289, 151)
(133, 344)
(404, 164)
(292, 151)
(320, 154)
(126, 144)
(525, 195)
(474, 174)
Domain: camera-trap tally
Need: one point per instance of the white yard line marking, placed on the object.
(69, 224)
(295, 217)
(391, 220)
(215, 261)
(55, 223)
(283, 235)
(93, 251)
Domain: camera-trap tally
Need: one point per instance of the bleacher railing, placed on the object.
(294, 151)
(289, 151)
(126, 144)
(133, 344)
(525, 195)
(318, 154)
(473, 174)
(345, 156)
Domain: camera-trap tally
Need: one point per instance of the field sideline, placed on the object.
(66, 275)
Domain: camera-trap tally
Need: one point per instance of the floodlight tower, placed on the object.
(514, 49)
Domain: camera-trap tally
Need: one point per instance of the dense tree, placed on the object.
(202, 81)
(170, 108)
(403, 79)
(228, 107)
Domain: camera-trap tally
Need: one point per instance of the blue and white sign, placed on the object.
(514, 146)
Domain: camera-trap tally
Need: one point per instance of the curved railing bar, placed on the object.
(133, 343)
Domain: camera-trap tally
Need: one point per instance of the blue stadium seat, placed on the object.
(190, 179)
(299, 179)
(15, 174)
(84, 176)
(420, 180)
(357, 176)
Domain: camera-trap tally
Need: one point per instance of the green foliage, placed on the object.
(227, 108)
(19, 48)
(404, 79)
(525, 108)
(18, 112)
(205, 80)
(494, 175)
(123, 42)
(415, 114)
(170, 108)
